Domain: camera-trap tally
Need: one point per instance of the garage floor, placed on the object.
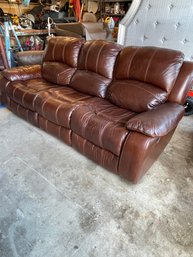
(56, 203)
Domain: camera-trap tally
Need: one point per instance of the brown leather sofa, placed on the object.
(118, 106)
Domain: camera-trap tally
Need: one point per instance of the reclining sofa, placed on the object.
(117, 106)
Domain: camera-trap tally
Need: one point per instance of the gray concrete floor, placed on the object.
(56, 203)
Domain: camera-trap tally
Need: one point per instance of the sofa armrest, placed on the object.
(29, 57)
(23, 73)
(157, 122)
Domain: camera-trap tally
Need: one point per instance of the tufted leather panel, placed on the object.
(61, 58)
(126, 94)
(95, 67)
(22, 112)
(101, 123)
(97, 154)
(25, 92)
(163, 23)
(55, 130)
(57, 105)
(156, 66)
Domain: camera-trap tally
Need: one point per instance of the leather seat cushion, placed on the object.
(57, 104)
(101, 123)
(25, 92)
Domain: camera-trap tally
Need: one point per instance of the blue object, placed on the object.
(8, 25)
(25, 2)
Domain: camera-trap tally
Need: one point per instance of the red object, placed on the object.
(77, 8)
(190, 93)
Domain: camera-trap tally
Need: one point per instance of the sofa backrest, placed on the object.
(95, 67)
(144, 77)
(61, 59)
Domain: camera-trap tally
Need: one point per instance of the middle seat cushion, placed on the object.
(25, 92)
(57, 104)
(102, 124)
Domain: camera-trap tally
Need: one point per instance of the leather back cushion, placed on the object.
(95, 67)
(135, 95)
(157, 66)
(61, 59)
(144, 77)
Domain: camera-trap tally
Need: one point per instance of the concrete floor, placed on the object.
(56, 203)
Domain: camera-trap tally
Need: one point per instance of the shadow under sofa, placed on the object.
(118, 106)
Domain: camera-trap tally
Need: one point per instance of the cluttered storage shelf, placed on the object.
(114, 8)
(112, 12)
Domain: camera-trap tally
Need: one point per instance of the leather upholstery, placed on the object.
(157, 122)
(29, 57)
(156, 66)
(95, 153)
(148, 73)
(60, 61)
(125, 93)
(55, 130)
(101, 123)
(57, 105)
(118, 107)
(183, 84)
(139, 153)
(22, 112)
(23, 73)
(95, 67)
(25, 92)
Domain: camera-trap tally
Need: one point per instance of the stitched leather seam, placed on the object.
(44, 105)
(53, 51)
(86, 58)
(101, 133)
(33, 105)
(86, 121)
(22, 99)
(98, 55)
(56, 112)
(16, 87)
(63, 52)
(134, 54)
(146, 91)
(150, 61)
